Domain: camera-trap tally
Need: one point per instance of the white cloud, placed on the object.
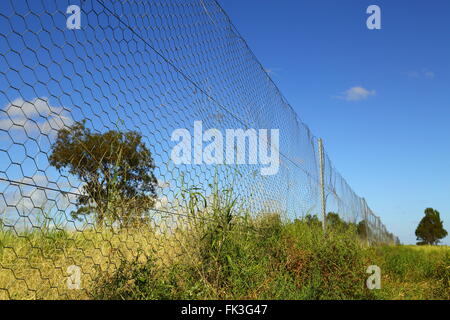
(30, 201)
(163, 184)
(356, 94)
(413, 74)
(161, 203)
(429, 74)
(424, 73)
(30, 109)
(272, 71)
(35, 116)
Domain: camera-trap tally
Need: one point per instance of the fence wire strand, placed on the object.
(87, 118)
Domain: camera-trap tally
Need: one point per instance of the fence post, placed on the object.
(322, 184)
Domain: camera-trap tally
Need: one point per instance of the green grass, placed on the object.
(223, 257)
(285, 261)
(414, 272)
(274, 261)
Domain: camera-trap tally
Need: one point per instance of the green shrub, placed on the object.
(236, 257)
(250, 259)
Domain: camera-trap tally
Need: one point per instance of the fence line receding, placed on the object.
(87, 118)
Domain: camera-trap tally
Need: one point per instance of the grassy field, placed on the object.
(414, 272)
(220, 258)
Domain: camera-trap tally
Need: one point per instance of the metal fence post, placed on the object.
(322, 183)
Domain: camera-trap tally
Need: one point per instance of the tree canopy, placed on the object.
(362, 229)
(116, 169)
(431, 228)
(335, 222)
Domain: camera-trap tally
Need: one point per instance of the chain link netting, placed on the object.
(87, 113)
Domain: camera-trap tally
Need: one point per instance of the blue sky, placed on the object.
(378, 98)
(389, 135)
(51, 76)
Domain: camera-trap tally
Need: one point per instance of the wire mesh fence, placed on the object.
(116, 135)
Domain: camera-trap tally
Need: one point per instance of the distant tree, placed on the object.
(362, 229)
(335, 222)
(116, 169)
(312, 220)
(430, 229)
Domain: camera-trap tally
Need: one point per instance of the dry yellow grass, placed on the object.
(34, 265)
(439, 248)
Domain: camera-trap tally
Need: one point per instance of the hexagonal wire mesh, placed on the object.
(86, 137)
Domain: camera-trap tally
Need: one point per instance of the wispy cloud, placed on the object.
(413, 74)
(429, 74)
(424, 73)
(357, 93)
(272, 71)
(29, 196)
(36, 116)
